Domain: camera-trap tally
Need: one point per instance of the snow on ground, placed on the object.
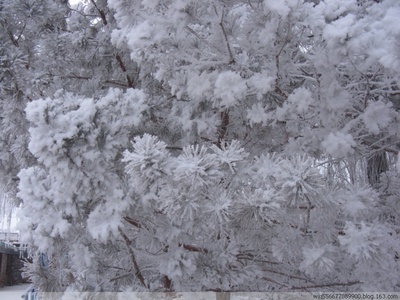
(13, 292)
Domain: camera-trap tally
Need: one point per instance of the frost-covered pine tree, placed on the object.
(23, 24)
(251, 147)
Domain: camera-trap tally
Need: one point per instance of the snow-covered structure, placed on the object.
(12, 256)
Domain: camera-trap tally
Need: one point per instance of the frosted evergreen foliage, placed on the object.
(77, 141)
(206, 145)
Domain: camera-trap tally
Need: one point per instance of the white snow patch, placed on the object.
(339, 144)
(230, 87)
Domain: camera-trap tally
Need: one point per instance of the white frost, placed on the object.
(339, 144)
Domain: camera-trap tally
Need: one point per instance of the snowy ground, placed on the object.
(13, 292)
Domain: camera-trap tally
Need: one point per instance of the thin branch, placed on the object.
(120, 277)
(120, 62)
(258, 260)
(101, 12)
(117, 83)
(13, 40)
(249, 256)
(123, 68)
(221, 23)
(308, 211)
(224, 127)
(130, 81)
(20, 34)
(174, 148)
(74, 76)
(286, 275)
(378, 148)
(276, 282)
(184, 246)
(82, 14)
(113, 267)
(167, 283)
(325, 285)
(138, 273)
(193, 248)
(278, 90)
(132, 222)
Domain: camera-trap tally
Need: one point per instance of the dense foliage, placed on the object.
(170, 145)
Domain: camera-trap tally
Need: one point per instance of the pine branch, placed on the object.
(167, 283)
(120, 277)
(232, 59)
(184, 246)
(117, 83)
(325, 285)
(224, 127)
(138, 273)
(132, 222)
(101, 13)
(120, 62)
(287, 275)
(21, 33)
(193, 248)
(276, 282)
(174, 148)
(123, 68)
(278, 90)
(249, 256)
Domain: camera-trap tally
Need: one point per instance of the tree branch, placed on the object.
(276, 282)
(174, 148)
(123, 68)
(101, 13)
(120, 62)
(224, 127)
(287, 275)
(231, 60)
(138, 273)
(184, 246)
(278, 90)
(132, 222)
(250, 256)
(120, 277)
(221, 23)
(325, 285)
(167, 283)
(193, 248)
